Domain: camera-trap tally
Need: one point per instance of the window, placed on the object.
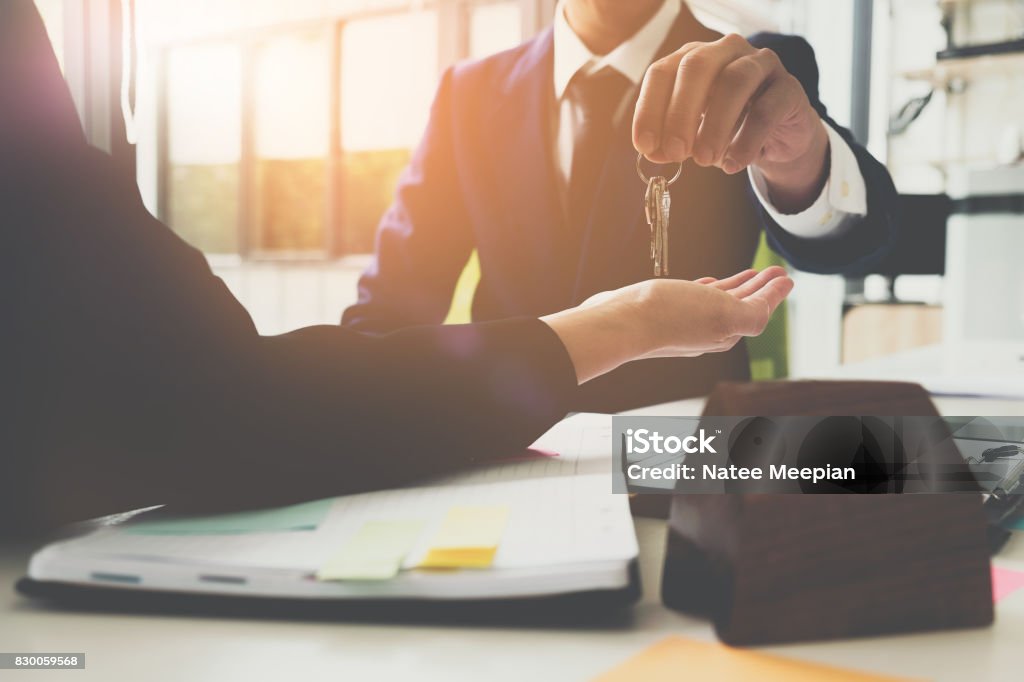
(291, 129)
(204, 119)
(494, 27)
(280, 131)
(389, 71)
(386, 93)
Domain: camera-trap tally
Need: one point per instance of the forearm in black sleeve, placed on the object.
(325, 411)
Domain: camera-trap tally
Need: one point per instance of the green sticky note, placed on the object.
(304, 516)
(375, 552)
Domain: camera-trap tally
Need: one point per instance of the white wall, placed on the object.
(285, 296)
(828, 27)
(964, 124)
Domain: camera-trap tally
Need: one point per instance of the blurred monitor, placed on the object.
(920, 246)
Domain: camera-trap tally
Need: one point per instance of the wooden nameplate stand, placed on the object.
(785, 568)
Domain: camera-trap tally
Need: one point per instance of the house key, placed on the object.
(657, 203)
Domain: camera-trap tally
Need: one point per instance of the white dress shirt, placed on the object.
(843, 197)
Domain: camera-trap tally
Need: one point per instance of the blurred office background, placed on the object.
(270, 134)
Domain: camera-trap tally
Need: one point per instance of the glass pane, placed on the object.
(291, 110)
(368, 188)
(204, 116)
(389, 74)
(493, 28)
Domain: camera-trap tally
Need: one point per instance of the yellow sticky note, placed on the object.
(375, 552)
(468, 538)
(677, 658)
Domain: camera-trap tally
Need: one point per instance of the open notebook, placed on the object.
(555, 529)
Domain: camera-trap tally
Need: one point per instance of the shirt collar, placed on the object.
(631, 58)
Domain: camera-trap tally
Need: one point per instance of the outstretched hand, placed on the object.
(715, 319)
(668, 318)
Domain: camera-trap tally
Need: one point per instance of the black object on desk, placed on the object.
(919, 246)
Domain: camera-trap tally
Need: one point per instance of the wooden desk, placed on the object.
(138, 647)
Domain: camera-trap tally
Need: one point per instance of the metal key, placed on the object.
(657, 204)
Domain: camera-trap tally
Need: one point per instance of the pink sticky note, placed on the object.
(1005, 582)
(541, 452)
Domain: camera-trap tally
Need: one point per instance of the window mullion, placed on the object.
(247, 157)
(334, 201)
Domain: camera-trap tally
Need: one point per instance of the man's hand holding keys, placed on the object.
(730, 105)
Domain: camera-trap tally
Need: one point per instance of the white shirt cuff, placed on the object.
(842, 199)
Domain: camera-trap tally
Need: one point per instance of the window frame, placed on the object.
(453, 27)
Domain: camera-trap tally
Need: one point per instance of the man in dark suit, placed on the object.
(131, 377)
(529, 159)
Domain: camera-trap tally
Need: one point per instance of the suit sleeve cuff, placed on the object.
(842, 200)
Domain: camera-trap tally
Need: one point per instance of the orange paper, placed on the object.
(677, 658)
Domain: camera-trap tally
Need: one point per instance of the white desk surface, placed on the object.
(157, 648)
(982, 372)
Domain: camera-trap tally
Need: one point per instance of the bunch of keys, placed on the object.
(657, 203)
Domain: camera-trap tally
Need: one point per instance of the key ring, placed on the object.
(640, 171)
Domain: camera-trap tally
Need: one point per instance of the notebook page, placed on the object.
(581, 444)
(554, 520)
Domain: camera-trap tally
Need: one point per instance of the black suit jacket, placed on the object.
(482, 178)
(132, 377)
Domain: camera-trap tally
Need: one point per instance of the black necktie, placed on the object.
(597, 96)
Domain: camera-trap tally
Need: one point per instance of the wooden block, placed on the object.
(786, 568)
